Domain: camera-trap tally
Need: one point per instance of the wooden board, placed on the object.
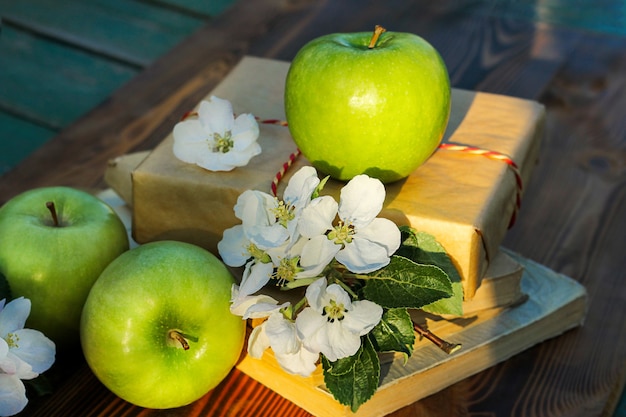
(196, 7)
(556, 303)
(18, 138)
(132, 32)
(73, 82)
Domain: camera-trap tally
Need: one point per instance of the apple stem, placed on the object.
(53, 212)
(178, 337)
(378, 30)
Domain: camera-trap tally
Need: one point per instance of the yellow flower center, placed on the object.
(334, 311)
(287, 269)
(258, 254)
(223, 144)
(283, 213)
(342, 233)
(12, 340)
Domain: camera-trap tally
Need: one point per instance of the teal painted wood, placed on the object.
(130, 31)
(620, 411)
(199, 7)
(602, 16)
(18, 138)
(61, 58)
(51, 84)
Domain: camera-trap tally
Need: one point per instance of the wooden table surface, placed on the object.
(573, 216)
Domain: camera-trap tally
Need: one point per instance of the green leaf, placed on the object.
(406, 284)
(394, 332)
(423, 248)
(360, 382)
(342, 366)
(40, 385)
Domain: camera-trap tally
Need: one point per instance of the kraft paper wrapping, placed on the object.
(466, 201)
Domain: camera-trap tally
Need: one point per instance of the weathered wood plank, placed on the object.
(202, 8)
(18, 138)
(497, 55)
(128, 31)
(51, 84)
(140, 114)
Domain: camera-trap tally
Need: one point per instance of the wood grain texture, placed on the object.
(74, 82)
(131, 32)
(19, 137)
(145, 110)
(572, 220)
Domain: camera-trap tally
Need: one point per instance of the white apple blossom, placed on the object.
(267, 240)
(280, 334)
(216, 140)
(269, 222)
(295, 261)
(236, 250)
(333, 324)
(24, 354)
(360, 241)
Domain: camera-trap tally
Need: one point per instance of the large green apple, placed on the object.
(54, 243)
(156, 328)
(359, 104)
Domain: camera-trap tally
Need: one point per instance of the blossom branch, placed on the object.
(444, 345)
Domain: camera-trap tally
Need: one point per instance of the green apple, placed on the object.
(54, 243)
(358, 103)
(157, 328)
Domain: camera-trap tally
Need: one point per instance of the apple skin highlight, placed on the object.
(380, 111)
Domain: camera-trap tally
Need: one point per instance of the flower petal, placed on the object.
(315, 293)
(317, 217)
(231, 160)
(262, 309)
(267, 237)
(13, 316)
(316, 254)
(35, 349)
(255, 276)
(310, 325)
(301, 186)
(258, 341)
(15, 366)
(233, 246)
(282, 334)
(362, 256)
(188, 132)
(245, 131)
(383, 232)
(361, 200)
(341, 342)
(362, 317)
(338, 295)
(12, 395)
(302, 363)
(216, 115)
(255, 207)
(242, 304)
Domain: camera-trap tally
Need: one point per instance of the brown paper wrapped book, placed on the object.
(464, 199)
